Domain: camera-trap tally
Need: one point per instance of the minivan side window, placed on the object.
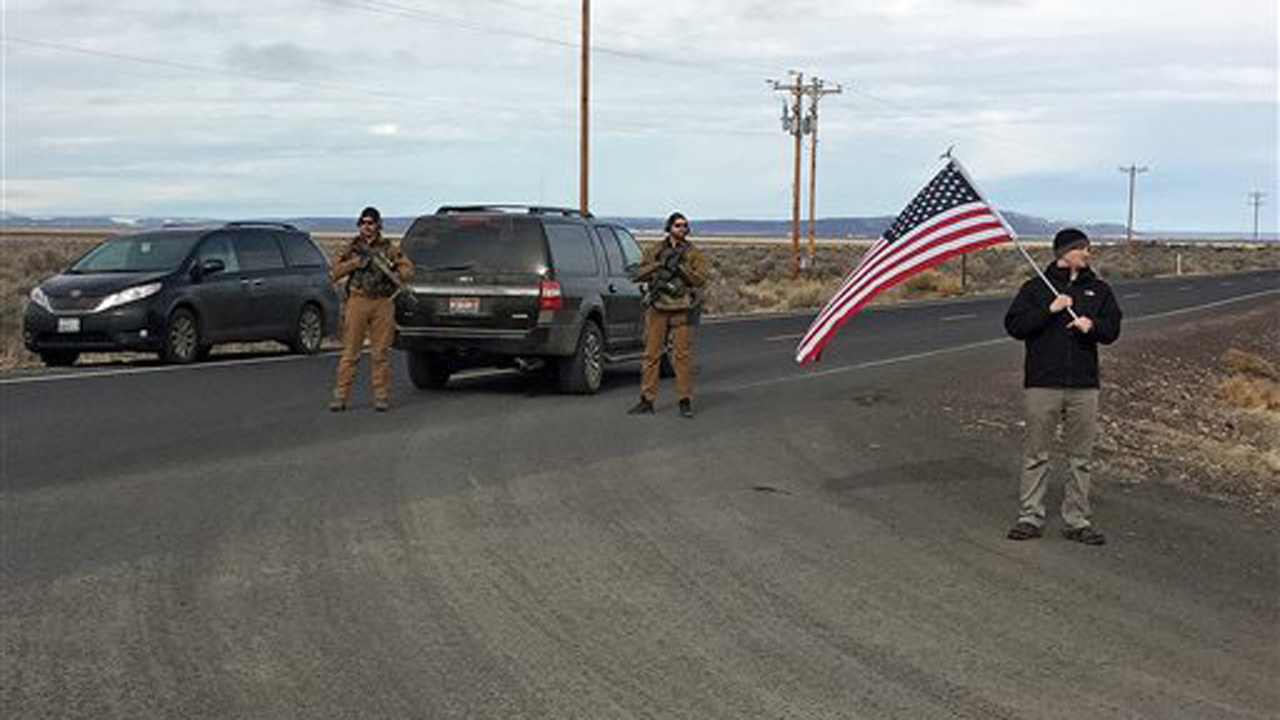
(218, 247)
(258, 251)
(630, 248)
(571, 250)
(301, 252)
(612, 252)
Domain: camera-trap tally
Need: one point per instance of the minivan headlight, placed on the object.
(132, 294)
(38, 297)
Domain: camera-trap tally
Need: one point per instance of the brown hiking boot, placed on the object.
(644, 407)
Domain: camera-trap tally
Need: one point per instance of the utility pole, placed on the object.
(793, 123)
(583, 110)
(1133, 171)
(1255, 199)
(815, 92)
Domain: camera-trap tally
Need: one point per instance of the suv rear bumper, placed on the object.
(556, 340)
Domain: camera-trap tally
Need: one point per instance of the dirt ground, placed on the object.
(1197, 407)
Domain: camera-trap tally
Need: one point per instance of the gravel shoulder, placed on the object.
(1170, 413)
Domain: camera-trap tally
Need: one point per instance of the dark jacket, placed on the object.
(1058, 357)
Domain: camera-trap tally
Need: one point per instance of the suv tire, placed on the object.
(59, 358)
(182, 338)
(308, 333)
(582, 372)
(429, 371)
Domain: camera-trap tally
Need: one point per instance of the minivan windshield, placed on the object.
(147, 252)
(482, 244)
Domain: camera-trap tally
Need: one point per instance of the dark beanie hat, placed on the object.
(1068, 239)
(371, 212)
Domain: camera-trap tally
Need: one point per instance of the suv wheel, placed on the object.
(581, 374)
(182, 338)
(59, 358)
(309, 332)
(429, 370)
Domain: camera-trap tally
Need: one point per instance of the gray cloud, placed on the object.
(279, 58)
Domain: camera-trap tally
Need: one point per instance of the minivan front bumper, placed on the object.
(128, 327)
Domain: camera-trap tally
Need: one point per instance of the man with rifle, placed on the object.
(674, 270)
(375, 271)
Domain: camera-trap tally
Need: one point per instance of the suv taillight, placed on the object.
(549, 295)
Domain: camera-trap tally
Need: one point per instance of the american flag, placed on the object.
(946, 218)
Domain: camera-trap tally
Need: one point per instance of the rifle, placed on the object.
(381, 265)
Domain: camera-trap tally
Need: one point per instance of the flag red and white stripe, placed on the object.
(948, 217)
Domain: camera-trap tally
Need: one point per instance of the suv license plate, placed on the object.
(68, 325)
(464, 306)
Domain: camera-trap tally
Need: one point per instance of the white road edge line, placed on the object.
(957, 318)
(167, 368)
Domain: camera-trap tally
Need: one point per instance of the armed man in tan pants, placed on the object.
(675, 270)
(369, 310)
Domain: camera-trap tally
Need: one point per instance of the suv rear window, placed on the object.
(476, 243)
(572, 250)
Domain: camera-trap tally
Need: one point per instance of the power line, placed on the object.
(700, 124)
(412, 13)
(227, 72)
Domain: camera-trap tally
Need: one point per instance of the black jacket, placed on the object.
(1056, 356)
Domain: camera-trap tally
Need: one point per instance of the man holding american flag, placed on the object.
(1061, 380)
(949, 217)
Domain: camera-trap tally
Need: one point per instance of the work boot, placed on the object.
(381, 405)
(686, 408)
(644, 407)
(336, 405)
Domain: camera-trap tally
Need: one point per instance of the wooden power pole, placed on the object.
(798, 124)
(584, 109)
(792, 123)
(815, 92)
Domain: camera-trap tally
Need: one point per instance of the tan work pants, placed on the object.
(374, 317)
(1077, 411)
(658, 325)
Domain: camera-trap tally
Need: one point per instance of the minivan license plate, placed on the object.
(68, 325)
(464, 305)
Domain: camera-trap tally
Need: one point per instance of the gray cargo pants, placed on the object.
(1077, 411)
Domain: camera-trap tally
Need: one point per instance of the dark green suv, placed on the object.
(519, 286)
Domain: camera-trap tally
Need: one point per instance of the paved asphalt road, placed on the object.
(210, 542)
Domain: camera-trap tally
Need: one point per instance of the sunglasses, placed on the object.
(680, 224)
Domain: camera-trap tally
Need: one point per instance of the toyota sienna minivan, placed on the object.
(180, 291)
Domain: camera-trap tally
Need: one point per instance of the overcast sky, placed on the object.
(232, 108)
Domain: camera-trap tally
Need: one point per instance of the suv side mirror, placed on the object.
(210, 266)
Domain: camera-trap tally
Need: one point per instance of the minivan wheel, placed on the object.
(429, 371)
(59, 358)
(309, 332)
(182, 338)
(582, 373)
